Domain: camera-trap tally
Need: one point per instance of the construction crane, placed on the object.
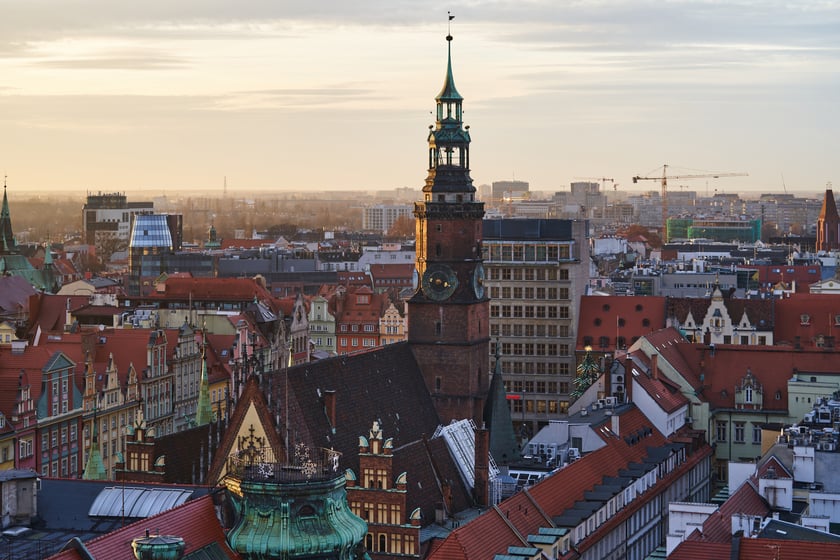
(600, 180)
(664, 179)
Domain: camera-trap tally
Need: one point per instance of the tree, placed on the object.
(402, 227)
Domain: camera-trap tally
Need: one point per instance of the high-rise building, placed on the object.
(536, 272)
(106, 218)
(154, 240)
(381, 217)
(448, 317)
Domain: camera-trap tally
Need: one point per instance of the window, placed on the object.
(720, 431)
(739, 432)
(756, 434)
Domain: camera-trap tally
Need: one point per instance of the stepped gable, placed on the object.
(194, 521)
(385, 385)
(679, 308)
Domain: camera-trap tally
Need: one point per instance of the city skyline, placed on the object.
(333, 96)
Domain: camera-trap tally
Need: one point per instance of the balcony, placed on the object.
(259, 464)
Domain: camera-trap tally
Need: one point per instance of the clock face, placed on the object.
(478, 281)
(439, 282)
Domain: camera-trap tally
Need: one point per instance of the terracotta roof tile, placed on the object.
(194, 521)
(608, 317)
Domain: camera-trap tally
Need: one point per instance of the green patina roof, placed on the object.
(448, 92)
(297, 520)
(204, 410)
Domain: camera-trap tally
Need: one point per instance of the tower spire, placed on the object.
(7, 237)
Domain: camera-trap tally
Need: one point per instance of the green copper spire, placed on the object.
(7, 237)
(95, 468)
(449, 145)
(204, 412)
(449, 92)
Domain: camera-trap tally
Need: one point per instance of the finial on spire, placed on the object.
(449, 26)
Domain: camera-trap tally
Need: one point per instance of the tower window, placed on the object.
(441, 198)
(437, 383)
(438, 227)
(437, 250)
(438, 328)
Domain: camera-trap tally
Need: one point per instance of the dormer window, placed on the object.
(805, 319)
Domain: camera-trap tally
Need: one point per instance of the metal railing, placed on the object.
(259, 464)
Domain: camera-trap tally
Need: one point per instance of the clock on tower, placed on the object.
(448, 316)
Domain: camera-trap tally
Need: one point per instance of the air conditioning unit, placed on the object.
(610, 401)
(596, 406)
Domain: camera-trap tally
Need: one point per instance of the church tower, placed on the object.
(448, 316)
(828, 224)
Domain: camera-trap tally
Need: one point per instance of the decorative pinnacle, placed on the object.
(449, 26)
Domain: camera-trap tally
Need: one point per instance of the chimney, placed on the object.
(482, 467)
(615, 424)
(654, 366)
(329, 406)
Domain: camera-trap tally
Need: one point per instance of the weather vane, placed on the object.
(449, 26)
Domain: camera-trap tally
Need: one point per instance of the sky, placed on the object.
(320, 95)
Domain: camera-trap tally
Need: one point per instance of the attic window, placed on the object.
(606, 307)
(597, 321)
(645, 322)
(805, 319)
(638, 307)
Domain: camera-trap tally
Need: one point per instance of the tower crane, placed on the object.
(664, 179)
(600, 180)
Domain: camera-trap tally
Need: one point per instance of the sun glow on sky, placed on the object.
(275, 95)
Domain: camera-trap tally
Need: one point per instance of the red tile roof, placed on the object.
(780, 549)
(629, 317)
(527, 511)
(218, 289)
(663, 391)
(725, 365)
(194, 521)
(822, 311)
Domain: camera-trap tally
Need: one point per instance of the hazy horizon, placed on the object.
(331, 96)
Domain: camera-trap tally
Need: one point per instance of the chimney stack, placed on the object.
(482, 466)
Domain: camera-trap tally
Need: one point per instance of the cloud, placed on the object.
(116, 63)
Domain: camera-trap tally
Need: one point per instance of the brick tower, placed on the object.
(828, 224)
(448, 316)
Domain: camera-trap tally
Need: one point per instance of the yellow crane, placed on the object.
(664, 179)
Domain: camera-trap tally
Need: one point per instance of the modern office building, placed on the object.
(536, 273)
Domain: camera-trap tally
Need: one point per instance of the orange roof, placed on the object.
(525, 512)
(723, 366)
(609, 317)
(822, 311)
(225, 289)
(781, 549)
(194, 521)
(662, 390)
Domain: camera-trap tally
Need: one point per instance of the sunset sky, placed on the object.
(329, 95)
